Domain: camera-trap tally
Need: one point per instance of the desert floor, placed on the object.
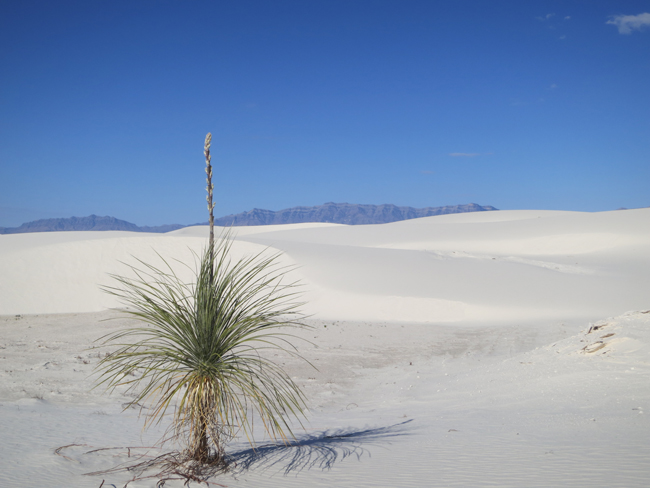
(507, 349)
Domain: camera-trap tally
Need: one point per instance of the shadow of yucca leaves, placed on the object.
(320, 450)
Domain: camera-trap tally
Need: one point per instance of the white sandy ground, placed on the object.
(452, 351)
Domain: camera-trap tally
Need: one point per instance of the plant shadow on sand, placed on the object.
(314, 451)
(320, 450)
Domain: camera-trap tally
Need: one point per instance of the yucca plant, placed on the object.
(199, 353)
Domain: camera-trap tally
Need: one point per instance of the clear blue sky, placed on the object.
(518, 104)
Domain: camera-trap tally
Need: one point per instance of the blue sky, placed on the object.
(517, 104)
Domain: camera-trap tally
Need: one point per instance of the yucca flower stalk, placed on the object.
(210, 187)
(199, 354)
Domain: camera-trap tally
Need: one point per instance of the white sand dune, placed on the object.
(457, 350)
(488, 266)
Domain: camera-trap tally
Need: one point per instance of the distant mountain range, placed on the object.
(338, 213)
(92, 222)
(342, 213)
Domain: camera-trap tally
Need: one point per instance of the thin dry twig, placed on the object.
(58, 450)
(110, 448)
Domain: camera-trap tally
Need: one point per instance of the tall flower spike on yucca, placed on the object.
(201, 352)
(210, 187)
